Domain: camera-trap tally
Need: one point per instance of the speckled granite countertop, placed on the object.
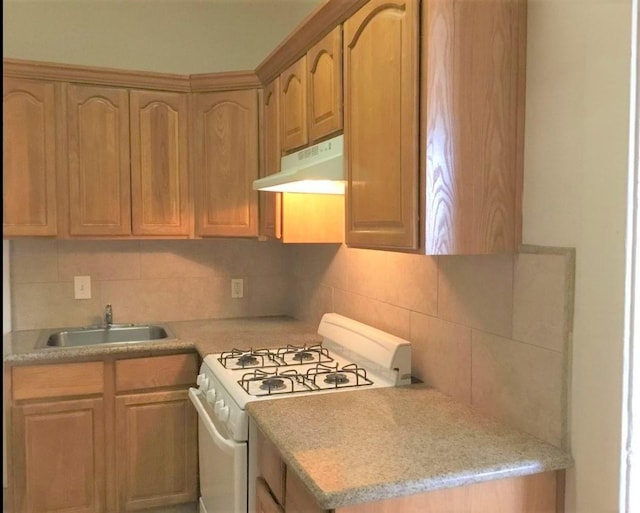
(206, 336)
(362, 446)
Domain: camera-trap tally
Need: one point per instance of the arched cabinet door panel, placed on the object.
(381, 114)
(159, 163)
(293, 105)
(99, 176)
(29, 158)
(226, 163)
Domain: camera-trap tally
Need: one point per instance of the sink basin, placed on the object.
(114, 334)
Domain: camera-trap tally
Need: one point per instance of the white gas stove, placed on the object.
(351, 356)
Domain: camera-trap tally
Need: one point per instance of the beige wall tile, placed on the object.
(519, 383)
(441, 355)
(34, 261)
(380, 315)
(142, 301)
(366, 272)
(311, 300)
(52, 305)
(177, 259)
(102, 260)
(411, 282)
(541, 300)
(477, 291)
(322, 262)
(249, 258)
(269, 295)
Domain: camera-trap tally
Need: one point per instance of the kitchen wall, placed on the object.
(171, 36)
(145, 281)
(491, 331)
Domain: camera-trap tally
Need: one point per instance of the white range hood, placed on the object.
(317, 169)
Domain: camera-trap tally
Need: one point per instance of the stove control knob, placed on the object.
(223, 414)
(202, 381)
(211, 395)
(218, 406)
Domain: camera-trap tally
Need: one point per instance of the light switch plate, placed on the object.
(82, 287)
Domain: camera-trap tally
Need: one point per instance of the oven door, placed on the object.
(222, 462)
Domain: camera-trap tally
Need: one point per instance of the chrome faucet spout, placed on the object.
(108, 315)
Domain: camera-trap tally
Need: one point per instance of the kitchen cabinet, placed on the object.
(160, 196)
(277, 487)
(226, 163)
(311, 94)
(293, 217)
(127, 169)
(123, 430)
(57, 422)
(324, 85)
(270, 202)
(450, 182)
(381, 125)
(99, 186)
(293, 105)
(30, 151)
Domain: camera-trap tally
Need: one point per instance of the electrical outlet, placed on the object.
(237, 287)
(82, 287)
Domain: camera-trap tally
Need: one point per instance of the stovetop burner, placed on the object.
(271, 384)
(282, 357)
(336, 378)
(246, 360)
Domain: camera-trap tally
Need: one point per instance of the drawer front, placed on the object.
(156, 371)
(271, 467)
(57, 380)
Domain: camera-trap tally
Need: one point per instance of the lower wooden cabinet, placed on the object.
(156, 458)
(59, 456)
(279, 490)
(95, 437)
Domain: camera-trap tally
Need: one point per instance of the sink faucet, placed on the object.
(108, 315)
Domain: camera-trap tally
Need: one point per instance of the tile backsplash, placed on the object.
(491, 331)
(145, 281)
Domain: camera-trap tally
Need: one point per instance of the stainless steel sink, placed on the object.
(114, 334)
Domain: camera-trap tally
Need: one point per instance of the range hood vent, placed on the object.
(317, 169)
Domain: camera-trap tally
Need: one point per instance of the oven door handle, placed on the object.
(228, 446)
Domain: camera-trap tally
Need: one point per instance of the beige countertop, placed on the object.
(205, 336)
(367, 445)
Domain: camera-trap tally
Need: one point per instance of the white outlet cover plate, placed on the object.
(82, 287)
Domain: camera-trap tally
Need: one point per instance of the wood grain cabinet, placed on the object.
(311, 94)
(99, 184)
(30, 150)
(381, 50)
(270, 202)
(102, 437)
(127, 162)
(160, 196)
(225, 143)
(449, 180)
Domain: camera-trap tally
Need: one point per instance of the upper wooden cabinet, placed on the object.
(324, 86)
(381, 46)
(226, 163)
(311, 94)
(29, 158)
(449, 183)
(99, 185)
(159, 163)
(293, 105)
(472, 95)
(270, 202)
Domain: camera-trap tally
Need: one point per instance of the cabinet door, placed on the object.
(156, 450)
(293, 105)
(29, 158)
(98, 167)
(59, 457)
(226, 149)
(324, 79)
(270, 202)
(381, 125)
(265, 503)
(159, 163)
